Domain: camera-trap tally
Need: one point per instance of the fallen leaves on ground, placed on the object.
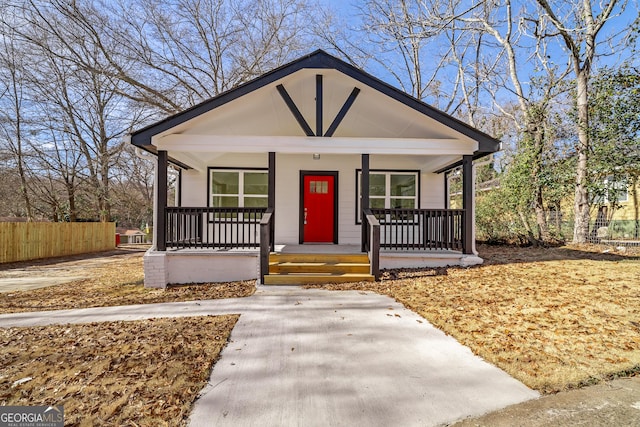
(554, 318)
(119, 284)
(144, 373)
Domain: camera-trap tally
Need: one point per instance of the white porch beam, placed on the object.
(295, 144)
(433, 163)
(190, 159)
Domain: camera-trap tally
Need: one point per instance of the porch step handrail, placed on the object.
(266, 244)
(372, 242)
(213, 227)
(421, 229)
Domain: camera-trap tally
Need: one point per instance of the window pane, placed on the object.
(403, 185)
(225, 201)
(256, 183)
(376, 203)
(620, 188)
(255, 202)
(403, 203)
(318, 187)
(623, 196)
(224, 183)
(377, 184)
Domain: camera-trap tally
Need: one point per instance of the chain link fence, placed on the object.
(626, 232)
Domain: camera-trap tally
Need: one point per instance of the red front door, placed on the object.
(319, 208)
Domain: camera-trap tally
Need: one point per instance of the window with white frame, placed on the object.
(390, 189)
(243, 188)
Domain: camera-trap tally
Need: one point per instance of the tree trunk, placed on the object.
(18, 149)
(558, 220)
(71, 198)
(581, 201)
(527, 227)
(541, 217)
(636, 208)
(103, 189)
(537, 135)
(23, 187)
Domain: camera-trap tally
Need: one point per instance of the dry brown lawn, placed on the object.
(139, 373)
(115, 284)
(555, 318)
(145, 372)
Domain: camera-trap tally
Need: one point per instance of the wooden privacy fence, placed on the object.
(22, 241)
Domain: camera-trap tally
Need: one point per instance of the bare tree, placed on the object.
(11, 202)
(132, 189)
(454, 55)
(81, 33)
(78, 100)
(578, 26)
(173, 55)
(403, 30)
(13, 111)
(59, 161)
(499, 22)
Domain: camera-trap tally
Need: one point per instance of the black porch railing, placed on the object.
(213, 228)
(421, 229)
(399, 229)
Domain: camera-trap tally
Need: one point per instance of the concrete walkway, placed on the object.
(319, 358)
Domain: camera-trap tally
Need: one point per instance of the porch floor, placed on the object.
(308, 249)
(318, 249)
(351, 249)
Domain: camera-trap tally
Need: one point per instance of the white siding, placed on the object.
(194, 188)
(288, 167)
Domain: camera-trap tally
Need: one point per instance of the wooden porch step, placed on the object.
(317, 268)
(313, 279)
(318, 257)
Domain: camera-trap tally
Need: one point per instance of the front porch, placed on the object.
(203, 244)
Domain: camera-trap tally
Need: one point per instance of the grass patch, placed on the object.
(554, 318)
(145, 373)
(111, 285)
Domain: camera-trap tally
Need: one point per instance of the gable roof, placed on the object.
(316, 60)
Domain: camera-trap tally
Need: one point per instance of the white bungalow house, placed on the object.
(131, 235)
(315, 171)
